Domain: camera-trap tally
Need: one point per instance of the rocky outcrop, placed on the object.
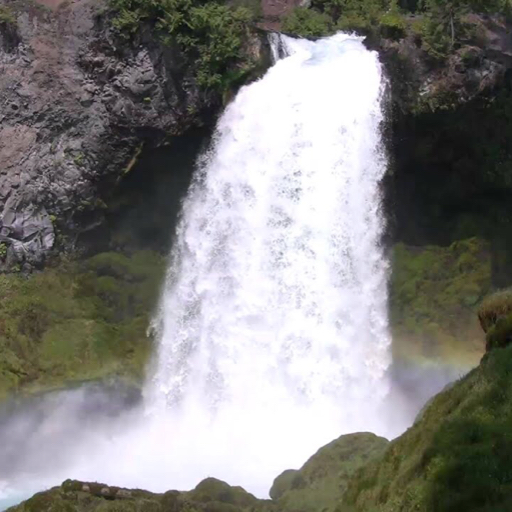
(211, 495)
(76, 104)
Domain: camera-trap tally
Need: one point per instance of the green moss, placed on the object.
(500, 334)
(77, 321)
(495, 307)
(7, 16)
(211, 495)
(434, 294)
(214, 490)
(456, 457)
(321, 482)
(288, 480)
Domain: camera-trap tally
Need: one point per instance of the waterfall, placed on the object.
(273, 335)
(272, 330)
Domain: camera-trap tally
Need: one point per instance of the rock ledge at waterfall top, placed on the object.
(77, 103)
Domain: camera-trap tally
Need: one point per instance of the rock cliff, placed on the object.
(77, 102)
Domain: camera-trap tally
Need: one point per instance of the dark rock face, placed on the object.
(76, 103)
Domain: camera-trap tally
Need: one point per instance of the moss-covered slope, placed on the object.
(434, 296)
(77, 321)
(455, 458)
(321, 482)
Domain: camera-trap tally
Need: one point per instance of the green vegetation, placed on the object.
(456, 458)
(445, 23)
(495, 315)
(440, 25)
(77, 321)
(434, 295)
(213, 34)
(495, 307)
(307, 22)
(210, 495)
(7, 16)
(500, 335)
(320, 483)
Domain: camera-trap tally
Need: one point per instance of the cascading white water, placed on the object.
(273, 326)
(273, 335)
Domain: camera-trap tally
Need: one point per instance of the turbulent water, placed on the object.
(273, 327)
(273, 334)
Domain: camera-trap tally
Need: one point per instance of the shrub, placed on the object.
(211, 33)
(307, 23)
(392, 23)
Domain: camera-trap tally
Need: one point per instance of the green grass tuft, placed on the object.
(494, 307)
(7, 16)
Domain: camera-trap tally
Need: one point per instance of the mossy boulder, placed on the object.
(214, 490)
(495, 316)
(288, 480)
(321, 482)
(500, 334)
(211, 495)
(494, 307)
(456, 457)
